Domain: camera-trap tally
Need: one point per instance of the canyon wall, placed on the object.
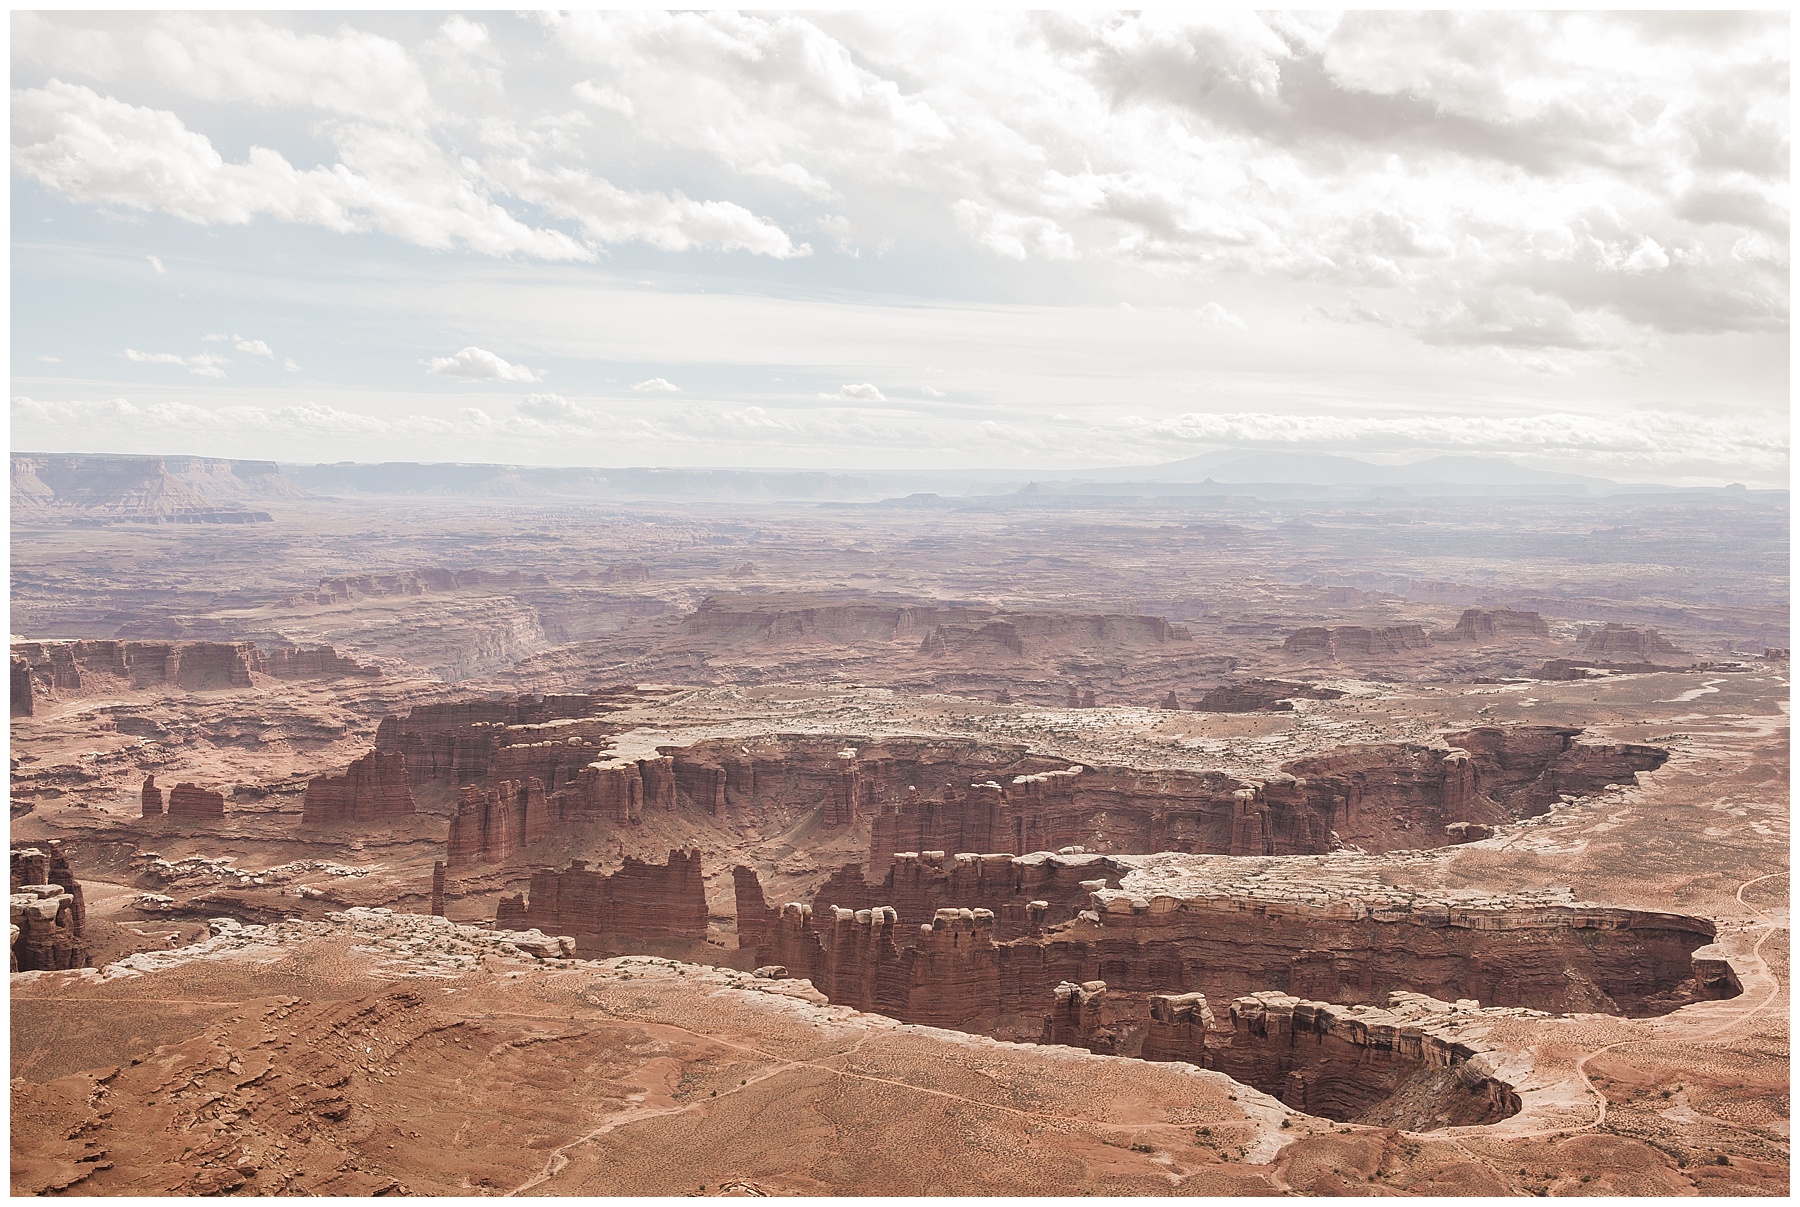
(640, 906)
(57, 669)
(191, 801)
(48, 913)
(374, 789)
(1356, 641)
(956, 973)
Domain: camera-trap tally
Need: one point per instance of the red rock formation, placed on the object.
(49, 915)
(22, 699)
(313, 662)
(1026, 894)
(640, 904)
(957, 975)
(489, 826)
(1624, 643)
(191, 800)
(1355, 641)
(437, 889)
(1261, 695)
(457, 741)
(1482, 624)
(373, 790)
(150, 798)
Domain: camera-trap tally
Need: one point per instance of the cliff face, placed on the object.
(641, 903)
(150, 798)
(957, 974)
(1356, 641)
(49, 916)
(193, 801)
(1625, 643)
(373, 790)
(1482, 624)
(1261, 695)
(457, 741)
(55, 669)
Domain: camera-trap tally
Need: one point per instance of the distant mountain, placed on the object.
(1239, 466)
(99, 489)
(524, 482)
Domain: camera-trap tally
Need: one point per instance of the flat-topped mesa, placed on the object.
(1628, 644)
(48, 913)
(47, 670)
(150, 798)
(1534, 952)
(373, 789)
(1025, 893)
(1356, 641)
(456, 741)
(647, 908)
(314, 662)
(1490, 624)
(1261, 695)
(193, 801)
(1393, 796)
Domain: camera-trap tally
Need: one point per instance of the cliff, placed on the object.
(1356, 641)
(47, 670)
(1626, 644)
(193, 801)
(1482, 624)
(374, 789)
(641, 903)
(1261, 695)
(49, 915)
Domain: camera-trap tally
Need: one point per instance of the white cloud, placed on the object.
(932, 392)
(203, 365)
(671, 222)
(656, 385)
(156, 263)
(51, 360)
(94, 148)
(478, 364)
(352, 73)
(254, 347)
(289, 365)
(857, 393)
(1215, 315)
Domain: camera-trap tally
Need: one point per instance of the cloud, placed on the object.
(478, 364)
(156, 263)
(254, 347)
(932, 392)
(51, 360)
(656, 385)
(289, 365)
(203, 365)
(671, 221)
(857, 393)
(96, 149)
(1215, 315)
(352, 73)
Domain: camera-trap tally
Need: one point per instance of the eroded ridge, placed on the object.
(1417, 1063)
(1543, 951)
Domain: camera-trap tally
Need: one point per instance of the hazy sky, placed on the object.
(863, 240)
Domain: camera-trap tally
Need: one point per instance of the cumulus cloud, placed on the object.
(203, 365)
(254, 347)
(857, 393)
(94, 148)
(1215, 315)
(289, 365)
(478, 364)
(931, 392)
(656, 385)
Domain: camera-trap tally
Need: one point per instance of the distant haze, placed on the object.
(1037, 244)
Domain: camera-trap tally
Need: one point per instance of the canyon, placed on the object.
(1268, 815)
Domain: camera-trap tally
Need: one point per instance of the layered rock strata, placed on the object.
(150, 798)
(1482, 624)
(1528, 952)
(374, 789)
(658, 904)
(193, 801)
(1261, 695)
(1626, 643)
(1357, 641)
(48, 913)
(52, 669)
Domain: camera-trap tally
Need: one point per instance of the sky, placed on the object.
(864, 241)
